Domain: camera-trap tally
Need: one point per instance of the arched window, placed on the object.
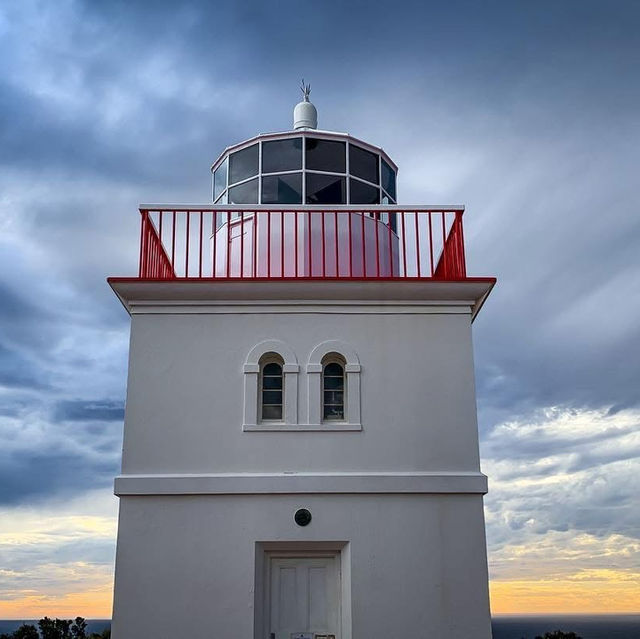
(333, 377)
(271, 388)
(333, 389)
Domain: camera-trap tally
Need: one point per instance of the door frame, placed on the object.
(265, 551)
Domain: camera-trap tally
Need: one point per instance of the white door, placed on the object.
(304, 596)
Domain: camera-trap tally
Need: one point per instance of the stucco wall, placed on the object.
(185, 394)
(185, 565)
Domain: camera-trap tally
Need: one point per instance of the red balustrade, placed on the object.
(275, 242)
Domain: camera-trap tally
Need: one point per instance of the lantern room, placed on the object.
(304, 167)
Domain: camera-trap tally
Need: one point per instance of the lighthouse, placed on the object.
(300, 455)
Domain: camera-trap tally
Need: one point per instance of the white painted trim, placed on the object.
(307, 483)
(350, 296)
(250, 413)
(290, 397)
(264, 550)
(333, 346)
(271, 346)
(198, 307)
(352, 389)
(251, 370)
(292, 427)
(314, 391)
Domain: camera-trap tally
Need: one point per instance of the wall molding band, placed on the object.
(307, 483)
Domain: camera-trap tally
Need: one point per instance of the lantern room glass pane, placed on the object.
(243, 164)
(326, 155)
(388, 180)
(325, 189)
(360, 193)
(282, 155)
(282, 189)
(363, 164)
(246, 193)
(219, 180)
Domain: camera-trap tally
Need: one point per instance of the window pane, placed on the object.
(333, 369)
(271, 397)
(326, 155)
(282, 155)
(243, 164)
(272, 369)
(221, 200)
(364, 164)
(333, 383)
(386, 199)
(388, 180)
(333, 397)
(325, 189)
(333, 412)
(282, 189)
(272, 412)
(219, 180)
(272, 383)
(246, 193)
(360, 193)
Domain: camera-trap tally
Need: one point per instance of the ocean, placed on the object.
(585, 626)
(504, 627)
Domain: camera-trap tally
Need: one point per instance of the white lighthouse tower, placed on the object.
(300, 455)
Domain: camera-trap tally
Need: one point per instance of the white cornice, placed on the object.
(301, 296)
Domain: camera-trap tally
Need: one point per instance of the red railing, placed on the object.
(275, 242)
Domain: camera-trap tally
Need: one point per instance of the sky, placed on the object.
(525, 112)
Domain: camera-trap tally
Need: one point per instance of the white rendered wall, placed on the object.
(186, 391)
(198, 492)
(185, 565)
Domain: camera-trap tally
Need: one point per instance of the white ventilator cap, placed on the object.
(305, 115)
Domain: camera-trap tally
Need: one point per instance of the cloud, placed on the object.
(523, 113)
(54, 558)
(562, 501)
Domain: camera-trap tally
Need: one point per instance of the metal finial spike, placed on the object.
(306, 90)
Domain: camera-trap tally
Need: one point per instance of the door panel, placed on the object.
(304, 596)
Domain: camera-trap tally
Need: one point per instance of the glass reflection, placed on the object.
(243, 164)
(219, 180)
(388, 180)
(326, 155)
(282, 155)
(282, 189)
(363, 164)
(325, 189)
(360, 193)
(246, 193)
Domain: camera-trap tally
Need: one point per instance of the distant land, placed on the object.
(93, 625)
(504, 627)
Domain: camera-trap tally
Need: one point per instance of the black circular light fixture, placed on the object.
(302, 517)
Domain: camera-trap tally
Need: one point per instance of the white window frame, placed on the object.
(252, 397)
(343, 351)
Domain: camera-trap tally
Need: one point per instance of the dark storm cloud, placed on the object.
(525, 112)
(33, 476)
(78, 410)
